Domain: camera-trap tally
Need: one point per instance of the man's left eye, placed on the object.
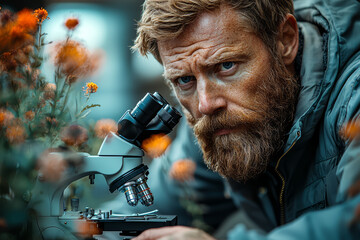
(226, 66)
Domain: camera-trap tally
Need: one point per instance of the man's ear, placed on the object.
(288, 39)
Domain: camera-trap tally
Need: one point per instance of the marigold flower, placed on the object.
(51, 166)
(104, 126)
(74, 59)
(17, 31)
(351, 130)
(49, 91)
(71, 23)
(5, 117)
(90, 88)
(26, 20)
(74, 135)
(29, 115)
(183, 170)
(156, 145)
(15, 133)
(41, 14)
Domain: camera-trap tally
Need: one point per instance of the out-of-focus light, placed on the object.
(146, 68)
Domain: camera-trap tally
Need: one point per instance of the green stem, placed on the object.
(39, 39)
(65, 100)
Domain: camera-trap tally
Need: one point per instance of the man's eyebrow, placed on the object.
(224, 57)
(171, 74)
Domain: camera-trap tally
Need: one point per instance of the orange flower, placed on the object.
(27, 21)
(5, 117)
(15, 133)
(71, 23)
(104, 126)
(20, 29)
(51, 166)
(74, 60)
(183, 170)
(90, 88)
(156, 145)
(351, 130)
(74, 135)
(41, 14)
(49, 91)
(17, 32)
(29, 115)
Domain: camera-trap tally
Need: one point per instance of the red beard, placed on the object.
(245, 152)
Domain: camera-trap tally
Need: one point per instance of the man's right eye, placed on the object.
(184, 80)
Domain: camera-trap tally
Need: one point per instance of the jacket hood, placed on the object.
(325, 26)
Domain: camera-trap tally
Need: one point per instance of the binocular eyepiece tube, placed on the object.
(135, 124)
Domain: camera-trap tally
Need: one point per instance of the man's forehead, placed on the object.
(209, 24)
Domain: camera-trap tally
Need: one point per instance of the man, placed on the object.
(267, 95)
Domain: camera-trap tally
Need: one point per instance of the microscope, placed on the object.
(120, 161)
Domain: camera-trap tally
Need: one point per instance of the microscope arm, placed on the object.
(115, 158)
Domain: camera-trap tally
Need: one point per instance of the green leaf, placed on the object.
(85, 114)
(88, 107)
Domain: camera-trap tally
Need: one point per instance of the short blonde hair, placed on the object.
(166, 19)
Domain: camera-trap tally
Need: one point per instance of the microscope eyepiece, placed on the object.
(146, 109)
(151, 115)
(160, 98)
(170, 116)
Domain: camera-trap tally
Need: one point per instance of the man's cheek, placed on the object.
(189, 117)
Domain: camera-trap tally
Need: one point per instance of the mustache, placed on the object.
(222, 120)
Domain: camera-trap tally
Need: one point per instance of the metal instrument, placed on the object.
(119, 160)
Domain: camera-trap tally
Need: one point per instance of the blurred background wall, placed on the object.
(123, 78)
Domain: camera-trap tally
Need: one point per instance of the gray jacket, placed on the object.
(305, 190)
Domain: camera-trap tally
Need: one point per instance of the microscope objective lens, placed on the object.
(145, 196)
(130, 193)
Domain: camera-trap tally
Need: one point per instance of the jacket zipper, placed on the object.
(281, 197)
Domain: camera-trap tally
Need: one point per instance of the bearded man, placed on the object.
(267, 94)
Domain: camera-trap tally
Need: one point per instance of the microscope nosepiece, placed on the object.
(144, 194)
(129, 189)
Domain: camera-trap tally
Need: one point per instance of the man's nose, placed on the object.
(211, 99)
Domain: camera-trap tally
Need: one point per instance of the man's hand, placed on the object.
(174, 233)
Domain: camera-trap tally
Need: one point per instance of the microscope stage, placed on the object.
(135, 224)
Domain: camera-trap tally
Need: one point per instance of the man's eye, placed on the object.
(226, 66)
(185, 80)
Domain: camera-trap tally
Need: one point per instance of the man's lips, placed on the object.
(224, 131)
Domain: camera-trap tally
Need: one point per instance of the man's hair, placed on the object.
(166, 19)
